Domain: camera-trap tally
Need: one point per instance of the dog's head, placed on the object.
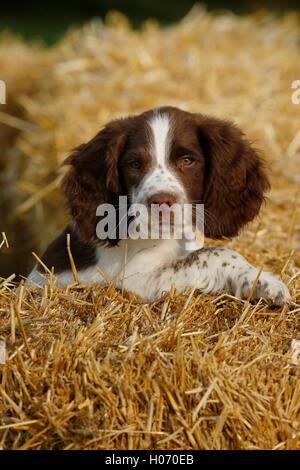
(168, 156)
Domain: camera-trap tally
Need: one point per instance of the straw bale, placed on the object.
(87, 367)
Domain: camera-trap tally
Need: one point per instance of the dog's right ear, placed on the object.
(93, 178)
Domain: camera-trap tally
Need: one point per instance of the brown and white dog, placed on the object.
(164, 156)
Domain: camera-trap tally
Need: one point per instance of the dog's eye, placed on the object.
(186, 161)
(135, 164)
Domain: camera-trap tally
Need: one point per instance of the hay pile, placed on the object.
(87, 368)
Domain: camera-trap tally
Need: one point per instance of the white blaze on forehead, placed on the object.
(160, 126)
(161, 176)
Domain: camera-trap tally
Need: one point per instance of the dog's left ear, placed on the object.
(93, 178)
(235, 178)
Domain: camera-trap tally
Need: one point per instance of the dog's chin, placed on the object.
(165, 230)
(151, 230)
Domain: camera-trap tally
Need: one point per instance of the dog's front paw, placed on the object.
(268, 287)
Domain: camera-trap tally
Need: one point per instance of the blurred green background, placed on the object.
(49, 20)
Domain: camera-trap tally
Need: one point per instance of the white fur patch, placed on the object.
(160, 126)
(161, 177)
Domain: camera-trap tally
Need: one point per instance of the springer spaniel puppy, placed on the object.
(162, 157)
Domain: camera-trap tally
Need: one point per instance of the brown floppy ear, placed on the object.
(93, 178)
(235, 179)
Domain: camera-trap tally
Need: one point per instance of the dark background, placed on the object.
(49, 20)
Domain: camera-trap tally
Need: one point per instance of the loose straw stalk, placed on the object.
(73, 267)
(16, 308)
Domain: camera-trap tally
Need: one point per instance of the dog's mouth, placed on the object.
(161, 215)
